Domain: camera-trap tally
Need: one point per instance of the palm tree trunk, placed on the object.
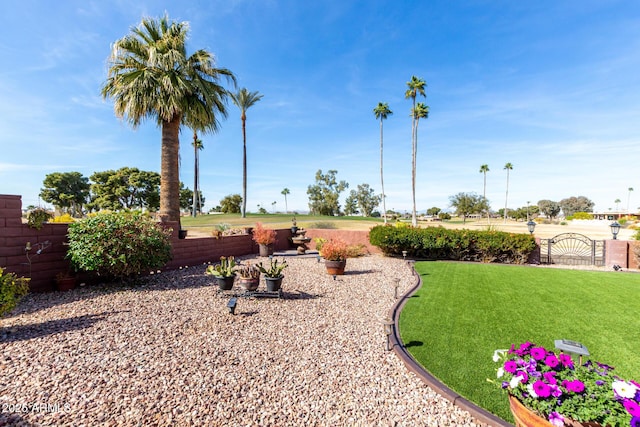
(170, 171)
(506, 198)
(244, 167)
(414, 127)
(195, 179)
(384, 202)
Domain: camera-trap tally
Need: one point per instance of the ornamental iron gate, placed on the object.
(572, 249)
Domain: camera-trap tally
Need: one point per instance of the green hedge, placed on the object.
(439, 243)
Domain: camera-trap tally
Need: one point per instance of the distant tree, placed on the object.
(415, 87)
(444, 216)
(273, 206)
(187, 200)
(367, 199)
(244, 100)
(65, 190)
(231, 203)
(629, 197)
(483, 170)
(617, 202)
(468, 204)
(508, 167)
(549, 208)
(382, 111)
(351, 204)
(197, 201)
(572, 205)
(150, 76)
(324, 195)
(284, 192)
(126, 188)
(434, 211)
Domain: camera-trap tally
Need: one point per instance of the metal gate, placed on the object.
(572, 249)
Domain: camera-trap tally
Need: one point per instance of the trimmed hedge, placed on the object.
(439, 243)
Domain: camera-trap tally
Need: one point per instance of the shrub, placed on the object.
(12, 289)
(37, 217)
(582, 215)
(334, 250)
(326, 225)
(263, 236)
(446, 244)
(118, 244)
(355, 251)
(319, 242)
(64, 218)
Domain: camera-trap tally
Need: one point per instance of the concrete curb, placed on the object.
(401, 351)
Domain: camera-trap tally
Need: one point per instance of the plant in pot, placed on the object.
(265, 238)
(248, 276)
(273, 274)
(223, 273)
(334, 252)
(65, 281)
(548, 389)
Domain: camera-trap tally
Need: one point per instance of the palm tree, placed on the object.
(197, 146)
(381, 112)
(415, 86)
(507, 167)
(284, 192)
(244, 100)
(617, 202)
(150, 76)
(484, 169)
(629, 198)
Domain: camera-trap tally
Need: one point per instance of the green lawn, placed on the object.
(465, 311)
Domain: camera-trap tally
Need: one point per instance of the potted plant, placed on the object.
(265, 238)
(248, 276)
(334, 252)
(273, 274)
(294, 226)
(37, 217)
(65, 281)
(223, 273)
(548, 389)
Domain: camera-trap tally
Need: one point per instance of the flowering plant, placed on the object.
(263, 236)
(334, 250)
(555, 388)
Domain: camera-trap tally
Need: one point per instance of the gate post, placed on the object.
(616, 253)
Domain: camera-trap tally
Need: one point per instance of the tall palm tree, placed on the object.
(197, 146)
(629, 198)
(484, 169)
(244, 100)
(415, 87)
(617, 202)
(284, 192)
(150, 76)
(508, 167)
(381, 112)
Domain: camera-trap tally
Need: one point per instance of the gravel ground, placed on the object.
(168, 353)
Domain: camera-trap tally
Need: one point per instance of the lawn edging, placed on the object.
(412, 365)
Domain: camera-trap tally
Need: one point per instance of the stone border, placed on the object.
(400, 350)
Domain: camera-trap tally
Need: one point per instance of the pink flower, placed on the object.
(566, 361)
(550, 377)
(542, 389)
(510, 366)
(632, 407)
(523, 375)
(551, 361)
(575, 386)
(556, 419)
(538, 353)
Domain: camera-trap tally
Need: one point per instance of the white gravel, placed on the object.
(168, 353)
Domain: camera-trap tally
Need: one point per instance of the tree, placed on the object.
(244, 100)
(617, 202)
(434, 211)
(231, 204)
(367, 199)
(150, 76)
(483, 170)
(415, 86)
(549, 208)
(197, 201)
(188, 198)
(351, 203)
(508, 167)
(467, 204)
(65, 190)
(629, 198)
(284, 192)
(324, 195)
(572, 205)
(126, 188)
(381, 112)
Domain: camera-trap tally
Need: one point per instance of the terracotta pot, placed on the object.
(265, 250)
(225, 283)
(249, 284)
(526, 418)
(273, 283)
(335, 268)
(66, 283)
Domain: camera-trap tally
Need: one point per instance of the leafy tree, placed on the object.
(232, 203)
(572, 205)
(126, 188)
(549, 208)
(351, 204)
(382, 111)
(415, 87)
(244, 100)
(65, 190)
(367, 199)
(444, 216)
(434, 211)
(324, 195)
(187, 199)
(196, 193)
(467, 204)
(150, 76)
(508, 167)
(284, 192)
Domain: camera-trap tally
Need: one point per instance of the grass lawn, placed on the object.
(465, 311)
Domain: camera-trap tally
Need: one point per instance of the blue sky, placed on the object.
(551, 87)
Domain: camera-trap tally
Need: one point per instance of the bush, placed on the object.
(326, 225)
(37, 217)
(12, 289)
(263, 236)
(118, 244)
(64, 218)
(581, 215)
(334, 250)
(439, 243)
